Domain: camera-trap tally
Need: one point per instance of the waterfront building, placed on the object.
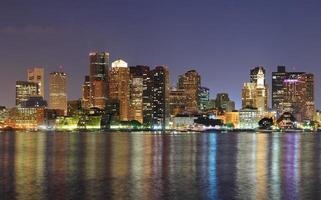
(36, 75)
(160, 97)
(203, 98)
(232, 119)
(24, 90)
(140, 94)
(119, 87)
(58, 92)
(293, 92)
(248, 118)
(255, 92)
(183, 122)
(190, 82)
(99, 64)
(177, 101)
(85, 101)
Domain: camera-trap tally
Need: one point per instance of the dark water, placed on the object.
(150, 166)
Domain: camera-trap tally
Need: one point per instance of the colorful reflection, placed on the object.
(155, 166)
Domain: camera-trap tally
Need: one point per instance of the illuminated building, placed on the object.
(248, 118)
(99, 64)
(293, 92)
(160, 97)
(298, 97)
(85, 101)
(177, 101)
(140, 93)
(24, 90)
(58, 91)
(203, 98)
(183, 122)
(232, 118)
(223, 102)
(36, 75)
(278, 89)
(190, 82)
(255, 92)
(248, 95)
(119, 87)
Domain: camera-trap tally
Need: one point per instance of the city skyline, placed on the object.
(214, 38)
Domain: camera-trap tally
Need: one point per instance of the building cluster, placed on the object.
(118, 96)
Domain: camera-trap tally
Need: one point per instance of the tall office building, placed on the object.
(160, 97)
(58, 91)
(190, 82)
(255, 92)
(119, 81)
(293, 92)
(99, 64)
(36, 75)
(140, 94)
(85, 101)
(25, 90)
(278, 78)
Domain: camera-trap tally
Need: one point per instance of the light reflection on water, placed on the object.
(148, 166)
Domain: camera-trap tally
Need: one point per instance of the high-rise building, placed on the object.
(160, 97)
(36, 75)
(203, 98)
(99, 64)
(140, 94)
(24, 90)
(255, 92)
(190, 82)
(119, 81)
(58, 91)
(278, 89)
(293, 92)
(85, 101)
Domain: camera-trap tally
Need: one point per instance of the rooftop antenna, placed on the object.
(60, 67)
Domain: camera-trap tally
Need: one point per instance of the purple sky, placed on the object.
(222, 40)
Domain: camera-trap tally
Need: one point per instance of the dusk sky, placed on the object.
(222, 40)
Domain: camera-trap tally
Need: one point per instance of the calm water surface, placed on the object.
(151, 166)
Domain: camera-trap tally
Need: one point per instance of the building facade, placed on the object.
(58, 91)
(24, 90)
(98, 75)
(36, 75)
(119, 87)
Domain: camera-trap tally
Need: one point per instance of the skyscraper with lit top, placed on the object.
(118, 83)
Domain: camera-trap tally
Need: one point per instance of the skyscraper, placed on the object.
(140, 94)
(255, 92)
(119, 81)
(99, 64)
(36, 75)
(293, 92)
(278, 78)
(177, 101)
(58, 91)
(85, 101)
(223, 101)
(24, 90)
(160, 97)
(190, 82)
